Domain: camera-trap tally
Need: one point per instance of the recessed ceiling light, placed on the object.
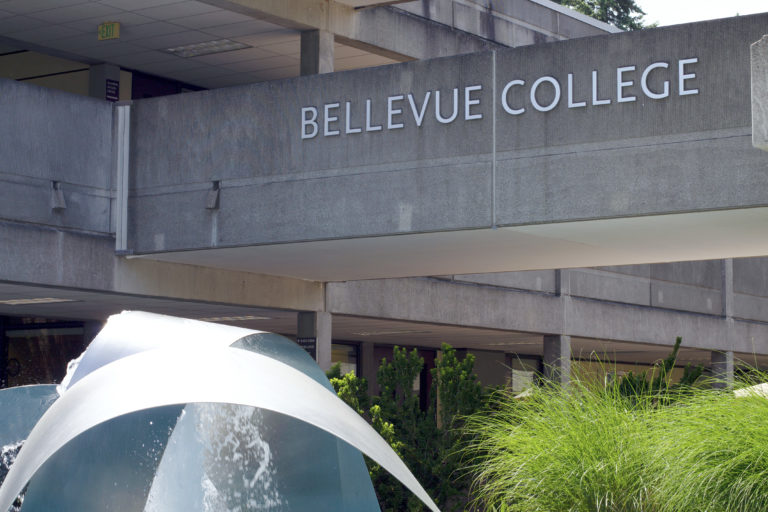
(386, 333)
(41, 300)
(233, 318)
(206, 48)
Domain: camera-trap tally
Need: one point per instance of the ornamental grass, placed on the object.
(594, 448)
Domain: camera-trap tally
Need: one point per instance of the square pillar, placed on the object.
(726, 272)
(759, 62)
(369, 366)
(104, 82)
(557, 359)
(722, 369)
(316, 52)
(314, 334)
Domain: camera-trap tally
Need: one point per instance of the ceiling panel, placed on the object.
(262, 64)
(239, 30)
(176, 10)
(233, 56)
(18, 25)
(173, 40)
(27, 6)
(144, 57)
(109, 52)
(45, 34)
(213, 19)
(74, 12)
(132, 5)
(144, 30)
(290, 47)
(127, 20)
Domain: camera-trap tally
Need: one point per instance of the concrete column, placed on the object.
(315, 326)
(563, 282)
(369, 366)
(316, 52)
(104, 82)
(557, 359)
(759, 58)
(722, 368)
(727, 287)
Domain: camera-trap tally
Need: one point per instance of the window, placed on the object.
(347, 355)
(36, 351)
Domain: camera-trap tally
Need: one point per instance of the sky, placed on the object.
(672, 12)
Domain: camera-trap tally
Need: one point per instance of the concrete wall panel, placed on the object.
(722, 79)
(49, 256)
(533, 280)
(638, 179)
(686, 298)
(630, 270)
(609, 286)
(255, 131)
(678, 154)
(705, 274)
(750, 276)
(48, 135)
(750, 307)
(440, 301)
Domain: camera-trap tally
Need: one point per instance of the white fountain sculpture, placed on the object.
(168, 414)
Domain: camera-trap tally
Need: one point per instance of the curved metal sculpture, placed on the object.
(144, 366)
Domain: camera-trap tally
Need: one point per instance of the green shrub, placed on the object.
(428, 447)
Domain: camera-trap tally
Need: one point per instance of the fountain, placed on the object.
(168, 414)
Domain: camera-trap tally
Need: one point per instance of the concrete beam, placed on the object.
(190, 282)
(492, 307)
(40, 255)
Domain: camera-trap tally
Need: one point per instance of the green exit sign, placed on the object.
(109, 30)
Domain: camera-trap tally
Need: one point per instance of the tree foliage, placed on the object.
(624, 14)
(426, 439)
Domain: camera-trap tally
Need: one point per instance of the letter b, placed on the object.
(310, 122)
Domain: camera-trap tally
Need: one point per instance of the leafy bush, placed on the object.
(429, 447)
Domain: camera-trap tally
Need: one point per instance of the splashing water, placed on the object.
(8, 455)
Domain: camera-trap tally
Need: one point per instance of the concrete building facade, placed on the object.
(513, 178)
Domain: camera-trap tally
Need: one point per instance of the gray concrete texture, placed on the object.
(503, 21)
(48, 135)
(759, 56)
(651, 156)
(49, 256)
(616, 303)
